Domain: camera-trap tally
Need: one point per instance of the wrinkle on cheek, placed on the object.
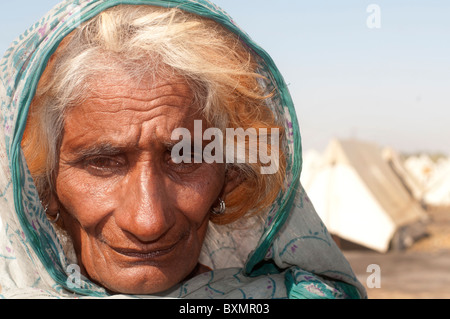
(80, 196)
(211, 178)
(199, 193)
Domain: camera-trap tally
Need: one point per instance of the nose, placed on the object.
(145, 212)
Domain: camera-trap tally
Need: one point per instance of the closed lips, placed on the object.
(145, 254)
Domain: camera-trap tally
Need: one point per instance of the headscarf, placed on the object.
(286, 252)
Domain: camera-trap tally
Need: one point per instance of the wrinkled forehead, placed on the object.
(129, 118)
(117, 88)
(119, 84)
(116, 100)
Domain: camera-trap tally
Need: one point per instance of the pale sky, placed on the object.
(389, 85)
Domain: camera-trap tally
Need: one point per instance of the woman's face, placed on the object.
(137, 219)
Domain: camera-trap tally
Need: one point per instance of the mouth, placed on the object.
(146, 253)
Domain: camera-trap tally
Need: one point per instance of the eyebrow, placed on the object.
(107, 148)
(81, 152)
(98, 149)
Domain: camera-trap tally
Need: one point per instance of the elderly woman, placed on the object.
(152, 148)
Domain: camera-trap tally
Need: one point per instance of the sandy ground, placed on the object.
(420, 272)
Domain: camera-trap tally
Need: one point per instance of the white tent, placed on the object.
(361, 198)
(434, 177)
(421, 166)
(410, 181)
(438, 186)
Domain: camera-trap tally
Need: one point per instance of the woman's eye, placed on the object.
(104, 165)
(182, 162)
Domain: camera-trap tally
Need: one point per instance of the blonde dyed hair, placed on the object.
(148, 41)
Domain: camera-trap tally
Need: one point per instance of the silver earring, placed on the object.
(221, 209)
(53, 221)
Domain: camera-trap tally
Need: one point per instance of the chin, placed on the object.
(146, 289)
(143, 280)
(139, 287)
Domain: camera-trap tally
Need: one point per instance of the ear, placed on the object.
(53, 204)
(233, 178)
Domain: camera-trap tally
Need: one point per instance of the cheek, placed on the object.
(81, 196)
(196, 196)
